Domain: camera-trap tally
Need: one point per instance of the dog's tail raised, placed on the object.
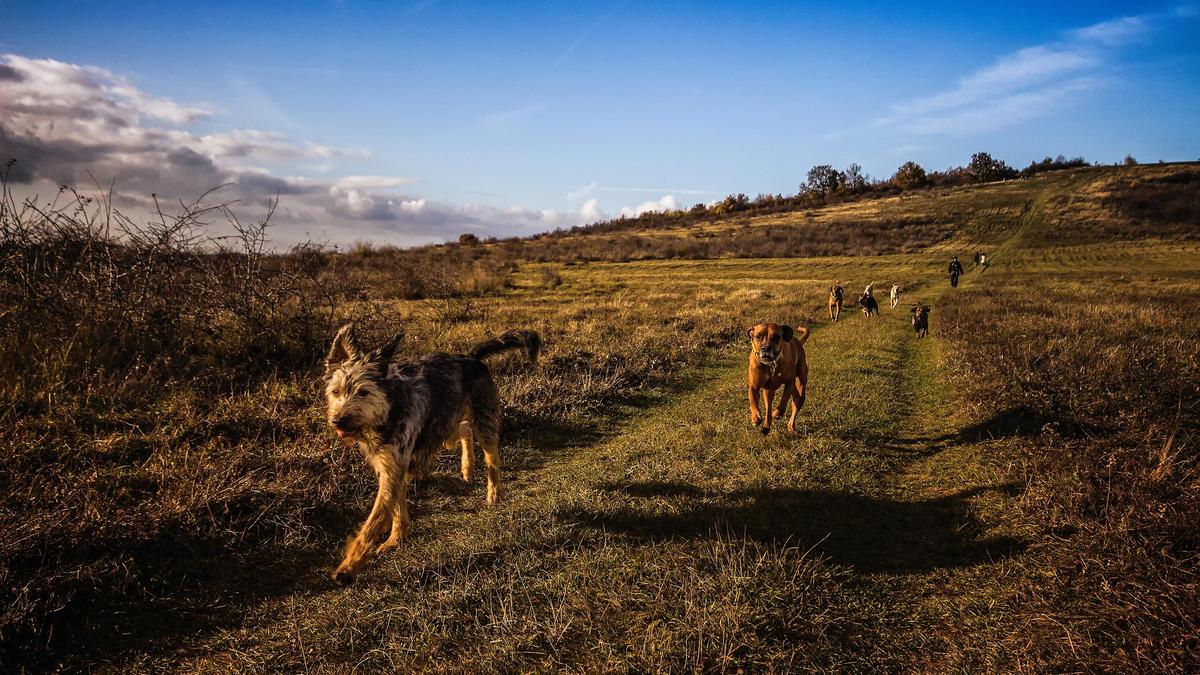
(800, 335)
(527, 340)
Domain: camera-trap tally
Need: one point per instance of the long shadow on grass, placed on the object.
(869, 534)
(144, 596)
(1017, 422)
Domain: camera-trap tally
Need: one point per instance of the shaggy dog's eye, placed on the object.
(361, 393)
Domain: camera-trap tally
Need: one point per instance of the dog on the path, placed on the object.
(776, 359)
(920, 319)
(835, 303)
(869, 305)
(400, 417)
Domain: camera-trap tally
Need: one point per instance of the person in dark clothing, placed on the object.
(956, 269)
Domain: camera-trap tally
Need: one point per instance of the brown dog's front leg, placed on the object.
(755, 415)
(783, 400)
(766, 428)
(358, 549)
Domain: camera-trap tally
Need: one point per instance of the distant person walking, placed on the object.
(894, 295)
(955, 271)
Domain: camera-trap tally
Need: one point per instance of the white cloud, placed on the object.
(590, 211)
(1023, 85)
(667, 203)
(583, 191)
(1004, 110)
(1114, 31)
(1022, 69)
(372, 182)
(65, 123)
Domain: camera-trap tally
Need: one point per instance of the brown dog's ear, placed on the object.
(750, 332)
(345, 348)
(788, 332)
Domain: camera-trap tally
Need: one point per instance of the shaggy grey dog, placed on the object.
(401, 415)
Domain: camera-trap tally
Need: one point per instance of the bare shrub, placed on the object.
(149, 361)
(550, 277)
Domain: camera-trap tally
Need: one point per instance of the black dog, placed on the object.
(920, 320)
(869, 305)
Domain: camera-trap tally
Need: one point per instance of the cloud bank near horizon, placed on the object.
(83, 126)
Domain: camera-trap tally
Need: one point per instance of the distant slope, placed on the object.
(1082, 206)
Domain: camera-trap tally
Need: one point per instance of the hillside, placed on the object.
(1019, 492)
(1084, 205)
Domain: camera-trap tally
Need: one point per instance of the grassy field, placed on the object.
(1019, 492)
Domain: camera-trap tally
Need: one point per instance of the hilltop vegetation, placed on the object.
(1091, 204)
(1017, 493)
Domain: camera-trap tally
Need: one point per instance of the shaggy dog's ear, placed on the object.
(788, 333)
(345, 348)
(388, 350)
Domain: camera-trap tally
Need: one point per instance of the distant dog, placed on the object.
(401, 416)
(777, 359)
(894, 295)
(920, 320)
(835, 303)
(869, 305)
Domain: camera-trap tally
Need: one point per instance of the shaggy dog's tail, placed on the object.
(527, 340)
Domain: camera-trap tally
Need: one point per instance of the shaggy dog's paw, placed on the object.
(342, 577)
(765, 430)
(387, 546)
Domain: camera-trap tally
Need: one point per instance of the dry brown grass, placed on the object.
(1098, 374)
(171, 498)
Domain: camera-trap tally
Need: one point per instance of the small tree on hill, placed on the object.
(984, 168)
(468, 239)
(910, 175)
(1130, 161)
(855, 179)
(823, 180)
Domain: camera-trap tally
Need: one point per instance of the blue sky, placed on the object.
(412, 122)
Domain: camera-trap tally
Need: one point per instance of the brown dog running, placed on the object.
(777, 358)
(835, 303)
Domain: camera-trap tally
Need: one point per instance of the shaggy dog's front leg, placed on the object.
(401, 523)
(391, 478)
